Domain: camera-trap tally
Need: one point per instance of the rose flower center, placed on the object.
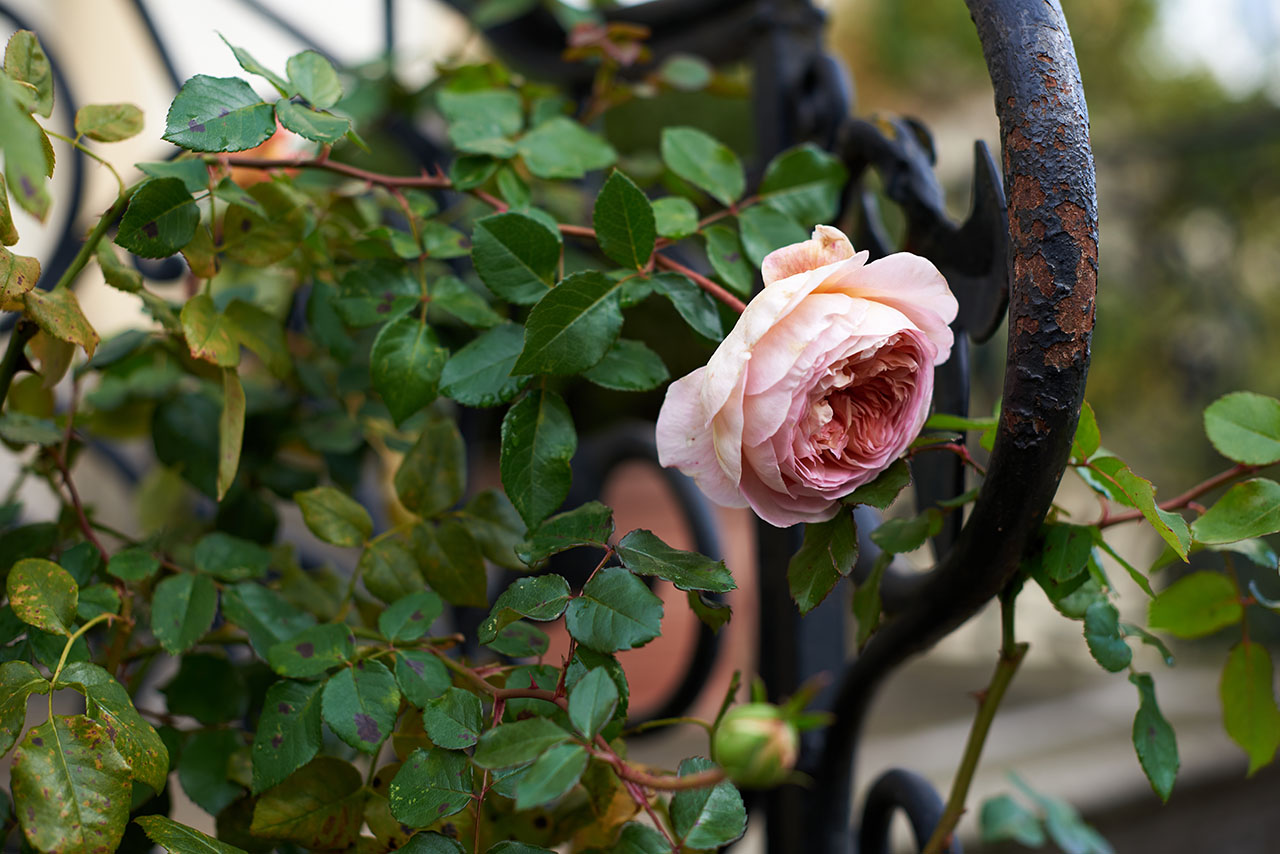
(854, 411)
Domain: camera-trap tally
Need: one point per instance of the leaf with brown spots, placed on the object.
(360, 704)
(58, 313)
(71, 787)
(109, 704)
(18, 681)
(179, 839)
(43, 594)
(288, 734)
(18, 273)
(210, 335)
(319, 807)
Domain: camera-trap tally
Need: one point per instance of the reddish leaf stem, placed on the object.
(1186, 499)
(426, 180)
(701, 281)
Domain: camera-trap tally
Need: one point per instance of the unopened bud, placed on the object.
(756, 745)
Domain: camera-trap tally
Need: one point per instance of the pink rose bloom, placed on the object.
(824, 381)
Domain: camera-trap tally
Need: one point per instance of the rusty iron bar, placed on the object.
(1049, 179)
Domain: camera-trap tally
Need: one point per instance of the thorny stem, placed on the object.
(1186, 499)
(1011, 655)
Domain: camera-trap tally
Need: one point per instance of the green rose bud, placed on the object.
(756, 745)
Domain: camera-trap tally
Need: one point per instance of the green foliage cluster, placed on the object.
(339, 320)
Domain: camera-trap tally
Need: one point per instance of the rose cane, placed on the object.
(824, 381)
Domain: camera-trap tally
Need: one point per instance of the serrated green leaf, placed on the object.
(251, 65)
(109, 122)
(562, 148)
(182, 610)
(703, 162)
(541, 598)
(1102, 634)
(179, 839)
(1139, 493)
(572, 327)
(1196, 605)
(1066, 550)
(193, 173)
(884, 489)
(515, 256)
(43, 594)
(552, 775)
(454, 295)
(1249, 711)
(210, 336)
(18, 681)
(480, 373)
(8, 231)
(409, 618)
(432, 476)
(26, 152)
(288, 734)
(261, 333)
(218, 114)
(903, 535)
(866, 600)
(97, 599)
(628, 366)
(1153, 738)
(518, 742)
(334, 517)
(826, 555)
(696, 306)
(375, 291)
(764, 229)
(520, 640)
(805, 183)
(538, 442)
(675, 217)
(431, 843)
(624, 222)
(1249, 509)
(58, 313)
(312, 651)
(430, 785)
(388, 569)
(727, 258)
(592, 702)
(707, 818)
(109, 704)
(208, 688)
(1087, 439)
(321, 807)
(588, 525)
(70, 787)
(25, 61)
(421, 676)
(615, 611)
(452, 562)
(360, 704)
(230, 558)
(1245, 427)
(453, 720)
(204, 769)
(230, 430)
(264, 614)
(644, 553)
(314, 78)
(312, 124)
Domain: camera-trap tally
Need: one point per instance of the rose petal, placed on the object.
(683, 438)
(827, 246)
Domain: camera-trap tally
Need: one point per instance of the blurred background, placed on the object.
(1184, 99)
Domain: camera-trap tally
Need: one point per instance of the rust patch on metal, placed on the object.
(1035, 268)
(1026, 326)
(1026, 194)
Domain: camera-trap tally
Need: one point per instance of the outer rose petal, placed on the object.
(827, 246)
(683, 437)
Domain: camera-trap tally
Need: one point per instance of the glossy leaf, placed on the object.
(218, 114)
(628, 366)
(1153, 738)
(26, 152)
(538, 441)
(707, 818)
(518, 742)
(313, 77)
(763, 229)
(313, 651)
(1087, 439)
(884, 489)
(334, 517)
(320, 807)
(624, 222)
(592, 702)
(826, 555)
(728, 259)
(410, 617)
(615, 611)
(1248, 509)
(905, 535)
(251, 65)
(204, 769)
(452, 562)
(70, 787)
(805, 183)
(430, 785)
(1138, 492)
(480, 373)
(520, 640)
(264, 614)
(1066, 551)
(288, 734)
(1196, 605)
(1004, 818)
(696, 306)
(515, 256)
(703, 162)
(1249, 711)
(572, 327)
(644, 553)
(182, 610)
(43, 594)
(588, 525)
(453, 720)
(420, 676)
(360, 704)
(1245, 427)
(230, 558)
(432, 476)
(552, 775)
(405, 366)
(389, 569)
(1106, 641)
(541, 598)
(312, 124)
(675, 217)
(18, 681)
(179, 839)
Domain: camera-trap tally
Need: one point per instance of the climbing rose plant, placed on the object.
(338, 325)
